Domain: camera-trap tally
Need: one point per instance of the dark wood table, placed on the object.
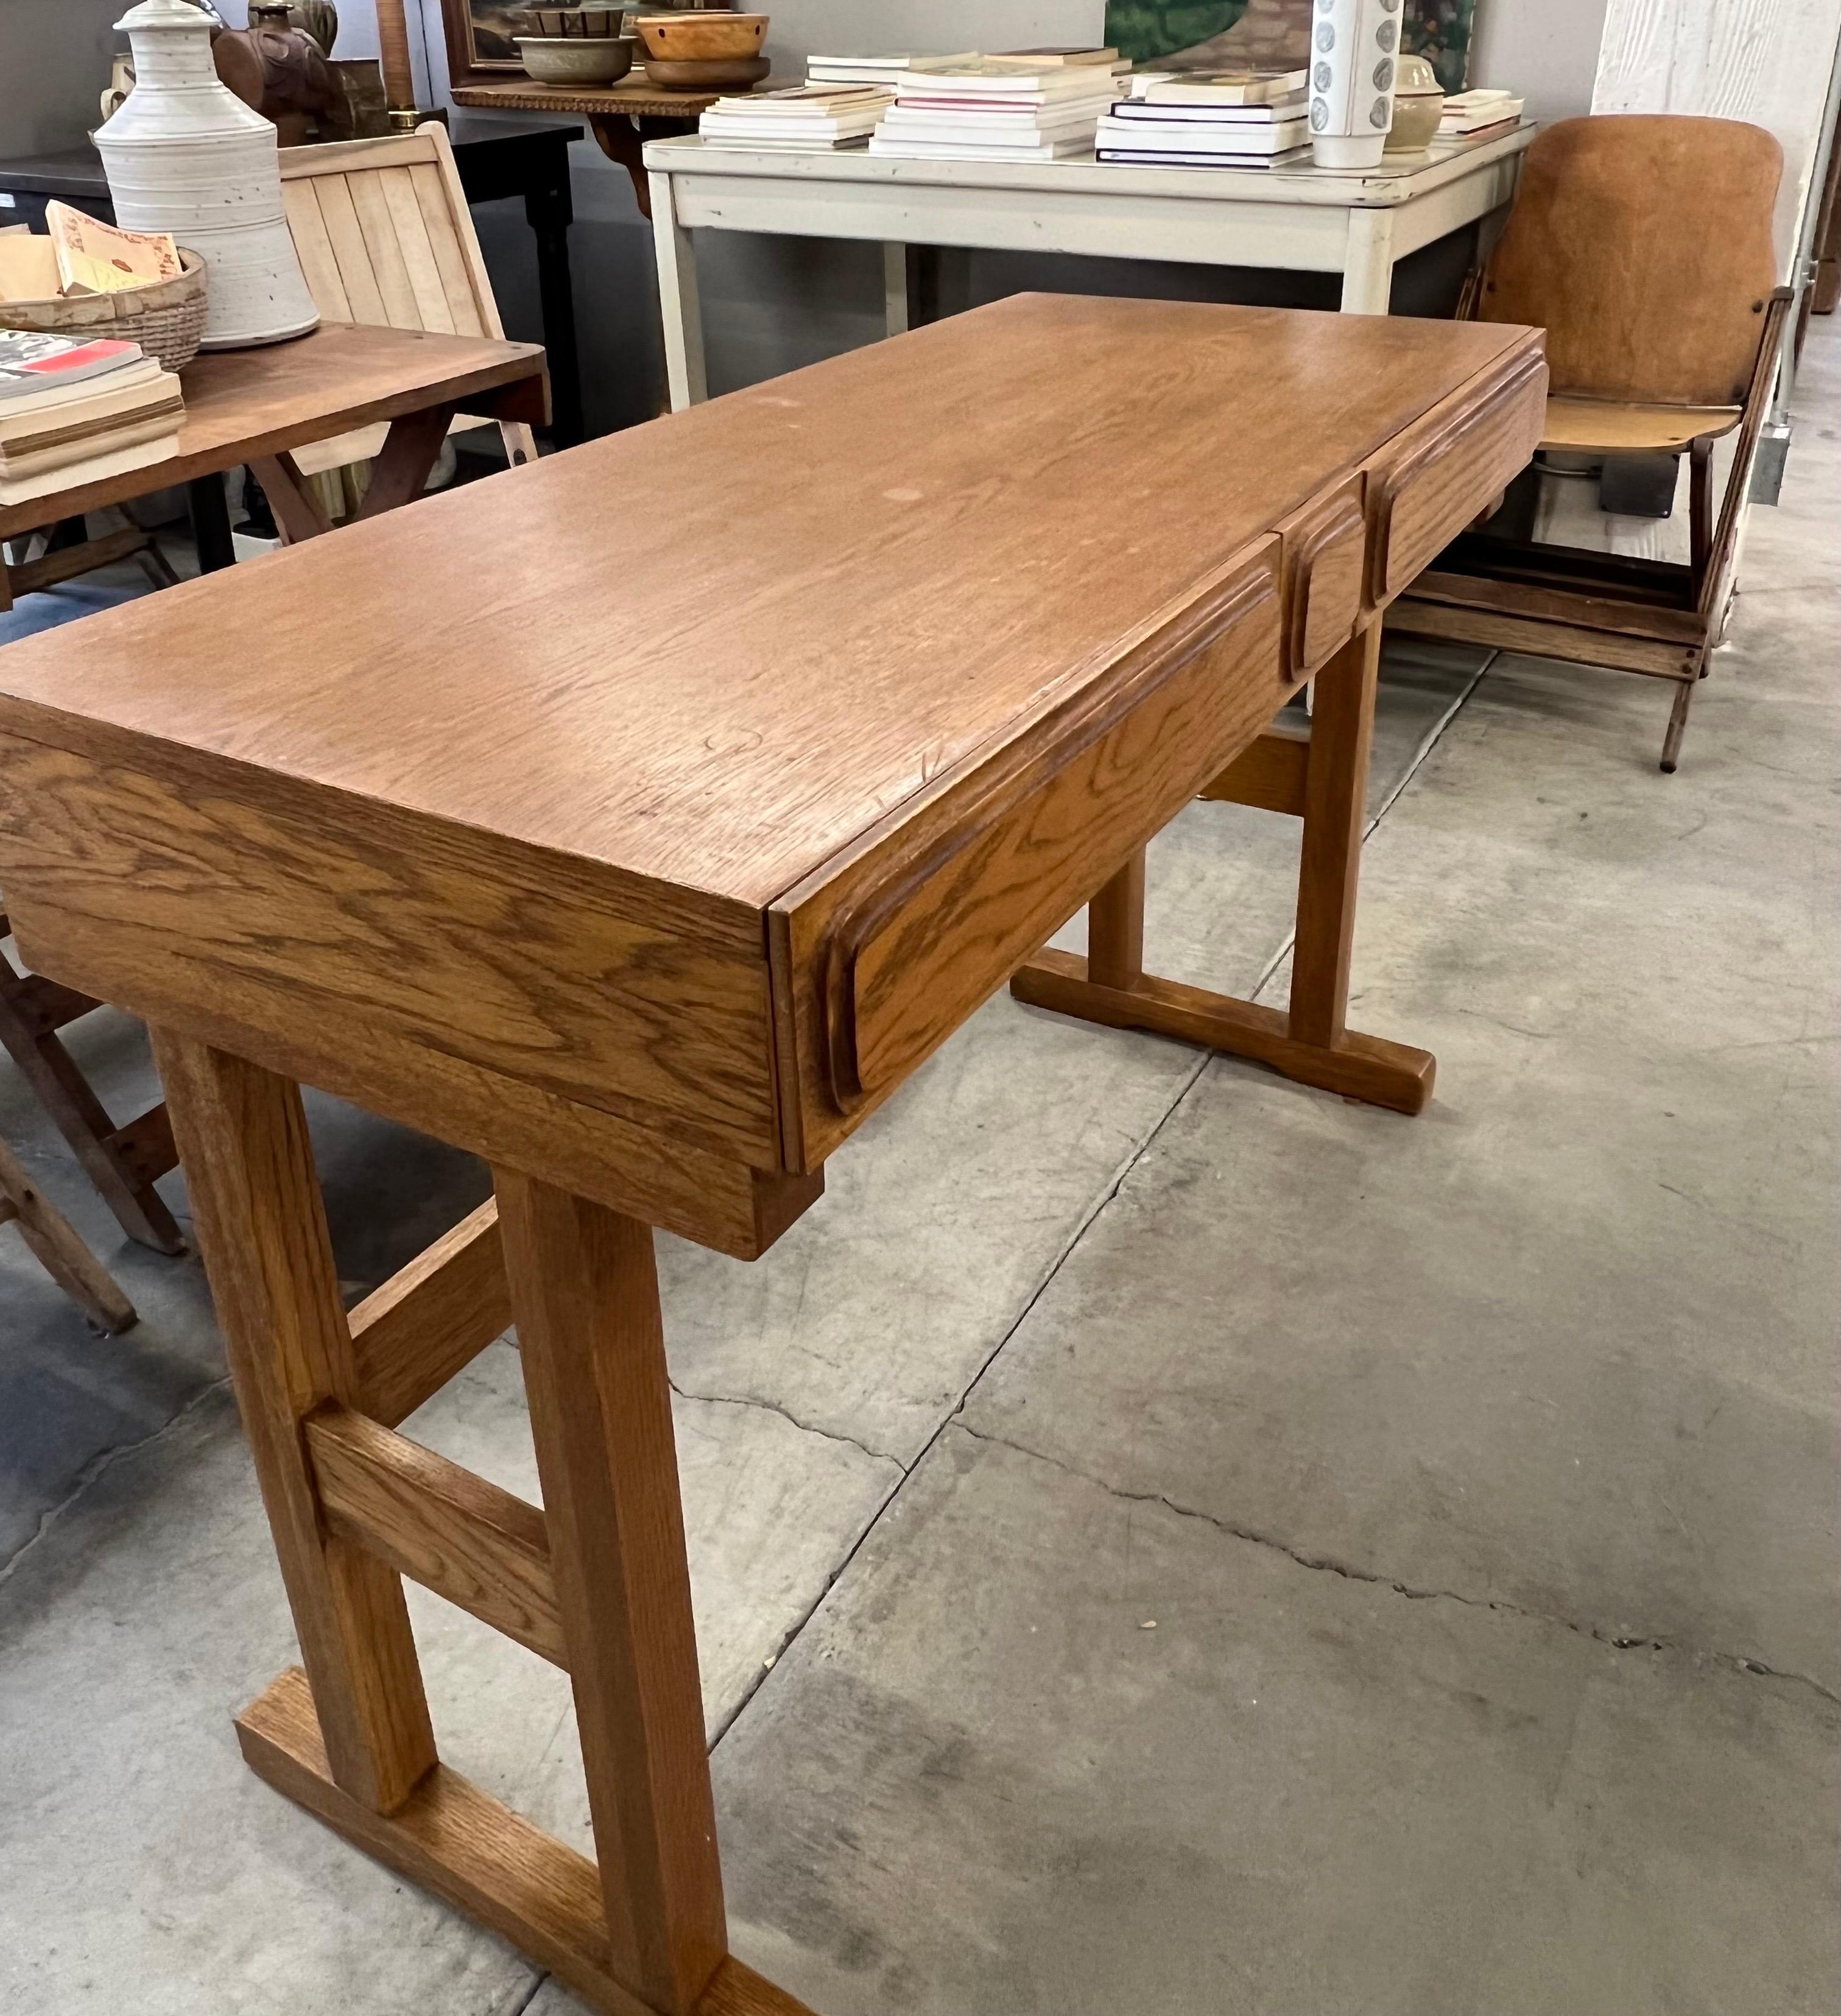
(496, 161)
(649, 884)
(622, 117)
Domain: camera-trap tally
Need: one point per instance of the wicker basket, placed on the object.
(166, 318)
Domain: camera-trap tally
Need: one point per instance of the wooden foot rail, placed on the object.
(54, 1242)
(123, 1162)
(1321, 777)
(596, 1581)
(432, 1319)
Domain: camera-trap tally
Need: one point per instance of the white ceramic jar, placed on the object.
(185, 154)
(1354, 64)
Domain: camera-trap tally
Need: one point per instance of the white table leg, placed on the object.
(678, 308)
(1367, 265)
(894, 288)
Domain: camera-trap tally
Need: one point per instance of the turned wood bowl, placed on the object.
(728, 74)
(701, 37)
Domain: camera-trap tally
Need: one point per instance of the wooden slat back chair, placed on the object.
(1642, 244)
(386, 239)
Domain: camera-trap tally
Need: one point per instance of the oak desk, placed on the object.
(649, 884)
(1354, 222)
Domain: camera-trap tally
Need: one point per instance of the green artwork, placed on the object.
(1219, 34)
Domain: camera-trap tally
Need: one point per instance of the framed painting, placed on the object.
(1230, 35)
(480, 46)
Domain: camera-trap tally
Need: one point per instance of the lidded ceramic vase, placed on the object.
(1355, 67)
(185, 154)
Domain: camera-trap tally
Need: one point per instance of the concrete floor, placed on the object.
(1164, 1540)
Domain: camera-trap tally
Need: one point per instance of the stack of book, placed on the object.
(1249, 119)
(882, 70)
(996, 108)
(801, 118)
(1478, 115)
(73, 411)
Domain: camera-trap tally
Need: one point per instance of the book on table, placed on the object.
(879, 69)
(990, 110)
(72, 412)
(1017, 82)
(1292, 107)
(811, 117)
(897, 149)
(1153, 136)
(1245, 87)
(1147, 157)
(1053, 57)
(1472, 112)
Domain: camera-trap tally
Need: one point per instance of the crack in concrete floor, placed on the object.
(1327, 1565)
(103, 1459)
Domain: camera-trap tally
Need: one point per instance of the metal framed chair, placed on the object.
(1642, 244)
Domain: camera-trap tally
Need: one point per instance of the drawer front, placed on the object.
(1431, 482)
(1325, 578)
(890, 958)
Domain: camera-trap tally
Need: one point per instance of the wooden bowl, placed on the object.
(166, 318)
(701, 37)
(718, 73)
(583, 61)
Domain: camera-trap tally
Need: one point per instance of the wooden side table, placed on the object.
(622, 117)
(495, 163)
(650, 887)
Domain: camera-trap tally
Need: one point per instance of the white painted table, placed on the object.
(1355, 222)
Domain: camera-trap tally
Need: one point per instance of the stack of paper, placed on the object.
(882, 70)
(801, 118)
(1472, 113)
(1239, 120)
(994, 109)
(73, 410)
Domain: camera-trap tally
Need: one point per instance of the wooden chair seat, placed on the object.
(1627, 427)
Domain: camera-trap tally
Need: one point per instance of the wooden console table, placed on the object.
(649, 885)
(622, 117)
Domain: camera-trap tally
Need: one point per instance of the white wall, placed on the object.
(1548, 49)
(1766, 61)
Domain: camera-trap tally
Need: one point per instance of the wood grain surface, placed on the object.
(843, 582)
(240, 403)
(908, 653)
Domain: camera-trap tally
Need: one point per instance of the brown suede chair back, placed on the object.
(1642, 243)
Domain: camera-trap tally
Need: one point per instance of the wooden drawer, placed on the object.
(877, 965)
(1325, 577)
(1434, 477)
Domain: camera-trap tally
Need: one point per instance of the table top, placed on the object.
(843, 582)
(275, 397)
(641, 100)
(1403, 179)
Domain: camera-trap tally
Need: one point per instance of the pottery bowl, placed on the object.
(701, 37)
(576, 60)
